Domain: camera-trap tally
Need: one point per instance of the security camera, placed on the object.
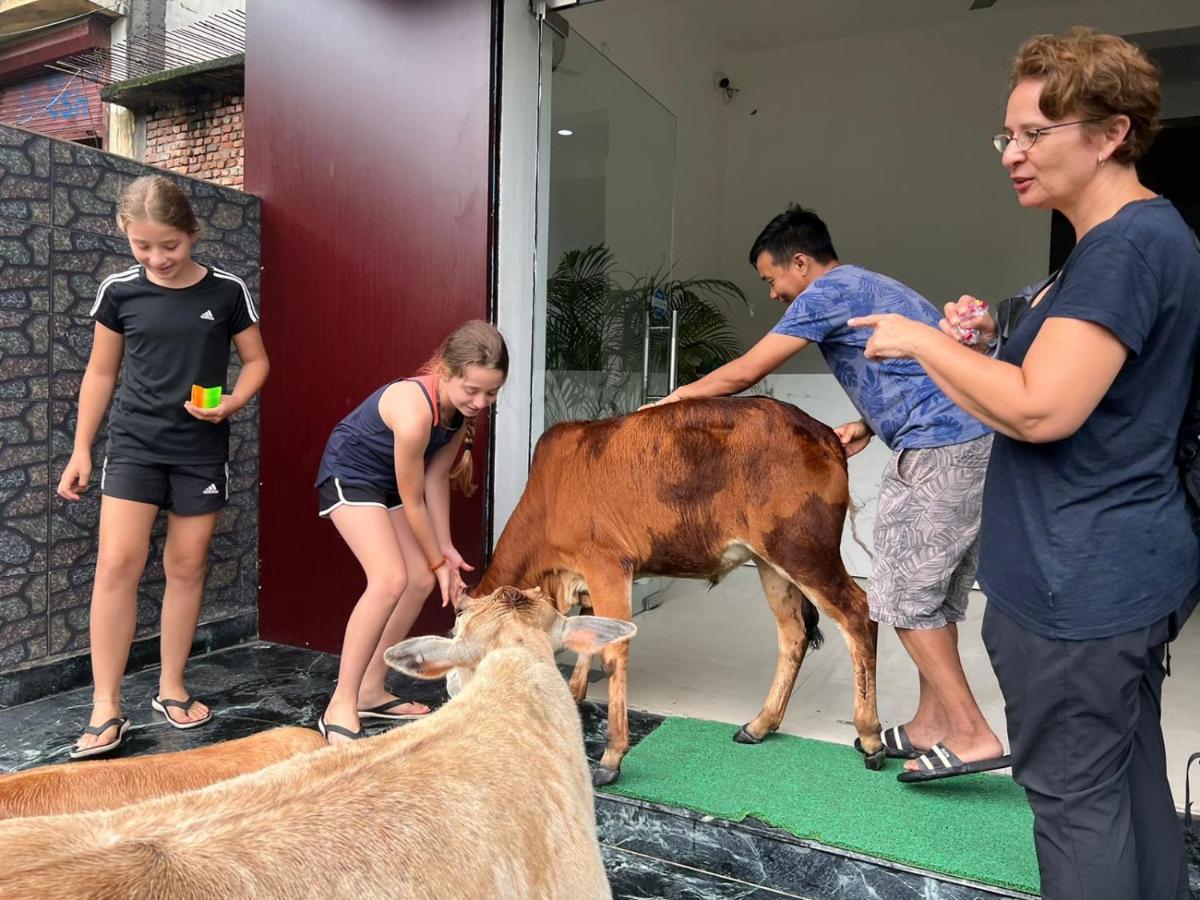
(724, 86)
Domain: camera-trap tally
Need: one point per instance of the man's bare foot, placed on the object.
(923, 734)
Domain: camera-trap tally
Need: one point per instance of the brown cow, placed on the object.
(487, 797)
(693, 490)
(110, 783)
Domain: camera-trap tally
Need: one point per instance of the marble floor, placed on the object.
(649, 851)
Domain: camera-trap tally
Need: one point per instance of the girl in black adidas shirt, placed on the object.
(165, 325)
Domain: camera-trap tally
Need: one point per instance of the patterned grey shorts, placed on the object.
(927, 534)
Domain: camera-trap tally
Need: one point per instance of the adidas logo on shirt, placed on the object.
(211, 489)
(207, 314)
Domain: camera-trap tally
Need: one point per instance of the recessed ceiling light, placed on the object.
(565, 132)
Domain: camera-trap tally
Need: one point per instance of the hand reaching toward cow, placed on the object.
(452, 584)
(854, 436)
(446, 576)
(670, 398)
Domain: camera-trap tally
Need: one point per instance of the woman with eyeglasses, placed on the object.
(1088, 555)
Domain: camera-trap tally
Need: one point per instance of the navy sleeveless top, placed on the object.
(361, 449)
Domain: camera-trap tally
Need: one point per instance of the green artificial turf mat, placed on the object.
(977, 827)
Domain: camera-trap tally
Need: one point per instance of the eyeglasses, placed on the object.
(1027, 138)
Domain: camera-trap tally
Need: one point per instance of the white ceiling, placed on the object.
(749, 25)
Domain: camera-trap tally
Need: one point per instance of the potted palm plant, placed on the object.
(596, 326)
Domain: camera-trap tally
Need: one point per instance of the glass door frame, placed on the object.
(522, 242)
(521, 250)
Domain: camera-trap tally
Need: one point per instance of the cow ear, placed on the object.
(587, 634)
(425, 657)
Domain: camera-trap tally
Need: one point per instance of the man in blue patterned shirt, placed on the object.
(926, 529)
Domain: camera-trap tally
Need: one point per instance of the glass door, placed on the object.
(607, 161)
(605, 221)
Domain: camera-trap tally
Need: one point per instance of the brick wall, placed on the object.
(200, 138)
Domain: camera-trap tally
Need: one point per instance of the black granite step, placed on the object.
(753, 855)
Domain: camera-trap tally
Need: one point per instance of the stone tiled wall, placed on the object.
(58, 240)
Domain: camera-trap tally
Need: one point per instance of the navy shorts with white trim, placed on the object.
(186, 490)
(333, 492)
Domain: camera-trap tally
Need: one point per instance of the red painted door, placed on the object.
(368, 139)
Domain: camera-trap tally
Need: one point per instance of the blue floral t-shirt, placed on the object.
(895, 397)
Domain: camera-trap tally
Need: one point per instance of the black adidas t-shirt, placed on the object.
(174, 338)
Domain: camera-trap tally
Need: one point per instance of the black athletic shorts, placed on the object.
(333, 492)
(186, 490)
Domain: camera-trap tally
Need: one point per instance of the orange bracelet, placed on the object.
(441, 562)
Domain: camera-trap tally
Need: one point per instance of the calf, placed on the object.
(107, 784)
(693, 490)
(487, 797)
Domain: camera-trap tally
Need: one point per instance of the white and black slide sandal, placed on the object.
(895, 743)
(939, 761)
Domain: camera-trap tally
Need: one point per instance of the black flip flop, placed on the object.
(122, 724)
(381, 711)
(159, 705)
(895, 742)
(939, 761)
(327, 729)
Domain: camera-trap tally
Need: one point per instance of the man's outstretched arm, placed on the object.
(748, 369)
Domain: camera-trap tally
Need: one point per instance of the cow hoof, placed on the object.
(874, 761)
(603, 775)
(743, 736)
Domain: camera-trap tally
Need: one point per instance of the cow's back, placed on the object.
(689, 452)
(671, 489)
(111, 783)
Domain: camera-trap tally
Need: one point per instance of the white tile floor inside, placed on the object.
(711, 653)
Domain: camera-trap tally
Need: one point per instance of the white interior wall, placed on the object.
(612, 178)
(674, 60)
(885, 135)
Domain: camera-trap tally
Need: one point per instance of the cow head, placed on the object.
(506, 617)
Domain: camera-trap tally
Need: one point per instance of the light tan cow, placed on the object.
(110, 783)
(488, 797)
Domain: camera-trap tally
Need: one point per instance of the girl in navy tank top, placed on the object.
(384, 481)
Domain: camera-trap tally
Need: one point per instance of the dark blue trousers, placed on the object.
(1086, 737)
